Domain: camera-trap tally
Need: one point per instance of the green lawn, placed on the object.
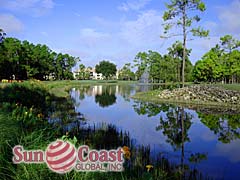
(235, 87)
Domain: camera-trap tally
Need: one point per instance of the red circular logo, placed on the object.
(61, 156)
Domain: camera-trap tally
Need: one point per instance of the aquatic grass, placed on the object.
(8, 134)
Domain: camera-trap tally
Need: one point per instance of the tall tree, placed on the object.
(141, 62)
(164, 68)
(107, 69)
(10, 58)
(83, 72)
(176, 52)
(155, 66)
(178, 14)
(24, 60)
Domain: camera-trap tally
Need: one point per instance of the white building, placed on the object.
(93, 74)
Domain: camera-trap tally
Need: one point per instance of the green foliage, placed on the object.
(197, 158)
(24, 60)
(126, 73)
(229, 43)
(107, 69)
(221, 63)
(200, 32)
(141, 62)
(165, 68)
(176, 9)
(176, 50)
(83, 73)
(71, 140)
(24, 115)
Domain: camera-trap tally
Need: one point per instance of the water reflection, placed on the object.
(226, 127)
(106, 97)
(174, 124)
(175, 127)
(108, 136)
(181, 143)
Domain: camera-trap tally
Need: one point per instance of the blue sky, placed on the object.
(114, 30)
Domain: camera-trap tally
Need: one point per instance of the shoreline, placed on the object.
(199, 100)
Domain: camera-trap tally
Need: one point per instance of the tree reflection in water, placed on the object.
(175, 125)
(105, 99)
(107, 136)
(226, 127)
(173, 122)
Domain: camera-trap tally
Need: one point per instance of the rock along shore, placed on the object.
(204, 94)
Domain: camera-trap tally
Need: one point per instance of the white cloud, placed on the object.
(229, 17)
(144, 31)
(105, 24)
(121, 41)
(33, 7)
(73, 51)
(231, 151)
(10, 24)
(92, 38)
(227, 23)
(205, 43)
(200, 46)
(133, 5)
(228, 20)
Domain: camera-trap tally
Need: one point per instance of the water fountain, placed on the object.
(145, 77)
(144, 81)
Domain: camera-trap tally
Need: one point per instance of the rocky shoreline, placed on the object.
(202, 94)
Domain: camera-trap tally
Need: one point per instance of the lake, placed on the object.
(198, 143)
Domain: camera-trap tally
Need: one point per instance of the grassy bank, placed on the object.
(235, 87)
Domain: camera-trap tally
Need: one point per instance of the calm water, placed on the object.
(200, 141)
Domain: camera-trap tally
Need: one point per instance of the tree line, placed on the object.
(164, 68)
(221, 63)
(23, 60)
